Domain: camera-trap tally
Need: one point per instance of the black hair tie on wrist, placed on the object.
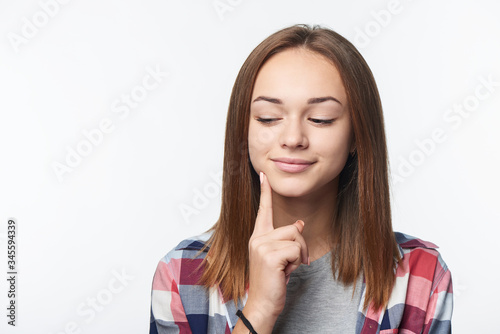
(246, 322)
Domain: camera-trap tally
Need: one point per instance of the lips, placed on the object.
(290, 165)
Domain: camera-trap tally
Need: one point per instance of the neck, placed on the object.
(316, 210)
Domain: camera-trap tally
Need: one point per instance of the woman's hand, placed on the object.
(273, 255)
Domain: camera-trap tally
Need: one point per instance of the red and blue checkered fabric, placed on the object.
(421, 300)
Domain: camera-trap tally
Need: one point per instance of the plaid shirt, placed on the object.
(421, 300)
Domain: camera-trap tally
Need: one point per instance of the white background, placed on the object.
(119, 209)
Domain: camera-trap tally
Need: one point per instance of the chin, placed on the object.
(291, 189)
(296, 187)
(290, 194)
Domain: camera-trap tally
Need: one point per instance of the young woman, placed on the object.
(304, 242)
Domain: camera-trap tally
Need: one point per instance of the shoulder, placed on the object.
(422, 287)
(179, 297)
(420, 259)
(408, 241)
(182, 263)
(189, 248)
(191, 245)
(178, 300)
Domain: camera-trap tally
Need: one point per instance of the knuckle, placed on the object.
(293, 228)
(253, 244)
(296, 229)
(266, 260)
(257, 248)
(298, 246)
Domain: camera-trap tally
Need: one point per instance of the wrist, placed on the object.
(247, 323)
(261, 322)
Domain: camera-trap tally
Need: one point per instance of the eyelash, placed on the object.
(314, 120)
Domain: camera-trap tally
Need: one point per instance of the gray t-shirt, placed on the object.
(316, 303)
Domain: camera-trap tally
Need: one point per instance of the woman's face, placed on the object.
(300, 130)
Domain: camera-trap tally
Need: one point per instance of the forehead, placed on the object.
(299, 72)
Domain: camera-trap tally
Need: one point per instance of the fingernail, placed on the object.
(300, 221)
(287, 279)
(308, 261)
(261, 177)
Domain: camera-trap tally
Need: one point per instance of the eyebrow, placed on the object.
(313, 100)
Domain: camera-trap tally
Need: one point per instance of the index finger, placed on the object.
(264, 220)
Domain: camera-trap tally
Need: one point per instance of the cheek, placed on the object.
(334, 146)
(261, 136)
(256, 157)
(260, 141)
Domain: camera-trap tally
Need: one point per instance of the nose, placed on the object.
(293, 134)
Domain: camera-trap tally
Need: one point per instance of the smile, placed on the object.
(292, 165)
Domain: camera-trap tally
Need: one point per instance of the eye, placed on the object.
(266, 120)
(321, 121)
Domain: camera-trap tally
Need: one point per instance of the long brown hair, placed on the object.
(364, 242)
